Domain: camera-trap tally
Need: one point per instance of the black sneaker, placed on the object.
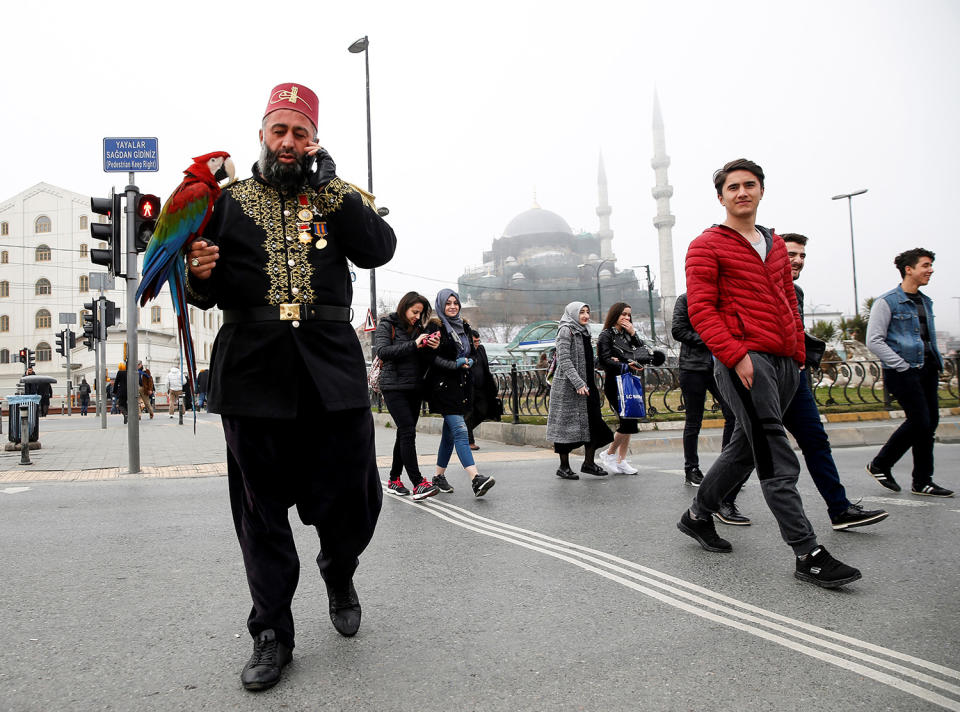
(857, 516)
(567, 474)
(441, 482)
(263, 668)
(825, 571)
(482, 485)
(932, 489)
(424, 489)
(396, 487)
(704, 531)
(592, 468)
(884, 477)
(729, 514)
(693, 476)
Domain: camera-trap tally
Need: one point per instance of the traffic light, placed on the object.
(22, 357)
(90, 327)
(31, 358)
(111, 312)
(60, 349)
(108, 232)
(73, 340)
(148, 209)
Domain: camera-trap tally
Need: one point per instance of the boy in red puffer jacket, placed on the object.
(742, 302)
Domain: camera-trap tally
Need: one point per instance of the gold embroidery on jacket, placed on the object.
(330, 198)
(288, 266)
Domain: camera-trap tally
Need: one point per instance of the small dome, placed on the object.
(518, 276)
(536, 221)
(594, 257)
(605, 274)
(511, 260)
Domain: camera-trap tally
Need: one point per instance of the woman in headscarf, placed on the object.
(574, 416)
(449, 389)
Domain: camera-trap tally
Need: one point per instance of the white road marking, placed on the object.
(897, 502)
(14, 490)
(695, 600)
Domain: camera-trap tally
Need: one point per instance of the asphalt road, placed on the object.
(545, 595)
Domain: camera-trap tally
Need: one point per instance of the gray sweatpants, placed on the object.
(759, 440)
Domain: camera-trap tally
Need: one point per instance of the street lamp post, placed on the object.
(599, 298)
(853, 253)
(653, 329)
(363, 45)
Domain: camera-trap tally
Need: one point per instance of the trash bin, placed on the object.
(33, 419)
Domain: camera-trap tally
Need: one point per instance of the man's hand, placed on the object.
(202, 258)
(744, 369)
(326, 169)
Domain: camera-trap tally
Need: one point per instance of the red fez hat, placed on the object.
(295, 97)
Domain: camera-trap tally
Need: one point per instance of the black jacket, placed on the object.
(256, 366)
(694, 354)
(484, 405)
(397, 348)
(449, 388)
(615, 344)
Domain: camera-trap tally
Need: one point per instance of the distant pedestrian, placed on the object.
(484, 403)
(120, 389)
(449, 386)
(399, 342)
(696, 380)
(901, 333)
(573, 417)
(617, 346)
(174, 388)
(83, 393)
(146, 391)
(202, 379)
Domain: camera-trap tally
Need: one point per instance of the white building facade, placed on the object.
(45, 245)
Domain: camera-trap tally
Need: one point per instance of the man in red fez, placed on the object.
(287, 374)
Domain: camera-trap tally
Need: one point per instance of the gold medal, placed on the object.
(305, 215)
(321, 243)
(305, 238)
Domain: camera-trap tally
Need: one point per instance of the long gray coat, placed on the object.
(567, 420)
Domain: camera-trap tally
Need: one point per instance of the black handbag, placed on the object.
(815, 349)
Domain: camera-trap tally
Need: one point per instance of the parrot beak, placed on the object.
(226, 172)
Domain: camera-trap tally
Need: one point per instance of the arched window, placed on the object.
(43, 319)
(154, 315)
(83, 222)
(83, 249)
(4, 289)
(4, 356)
(43, 351)
(4, 257)
(43, 253)
(42, 224)
(43, 286)
(4, 324)
(4, 228)
(84, 283)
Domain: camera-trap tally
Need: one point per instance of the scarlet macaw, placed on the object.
(181, 221)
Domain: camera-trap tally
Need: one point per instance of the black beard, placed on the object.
(288, 177)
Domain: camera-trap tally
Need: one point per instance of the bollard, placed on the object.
(515, 394)
(24, 434)
(180, 408)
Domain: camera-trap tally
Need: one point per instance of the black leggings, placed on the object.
(404, 407)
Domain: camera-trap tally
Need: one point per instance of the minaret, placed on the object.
(664, 221)
(603, 212)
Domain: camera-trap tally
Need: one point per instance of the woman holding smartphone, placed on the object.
(449, 389)
(399, 342)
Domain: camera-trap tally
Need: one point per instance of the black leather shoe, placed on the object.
(730, 514)
(591, 468)
(269, 656)
(344, 608)
(567, 474)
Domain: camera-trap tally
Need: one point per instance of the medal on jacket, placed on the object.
(305, 218)
(320, 230)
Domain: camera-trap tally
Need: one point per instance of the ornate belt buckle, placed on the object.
(289, 312)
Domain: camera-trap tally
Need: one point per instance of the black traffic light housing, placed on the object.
(60, 339)
(31, 358)
(148, 210)
(108, 232)
(111, 312)
(90, 327)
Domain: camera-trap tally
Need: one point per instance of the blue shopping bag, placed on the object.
(630, 391)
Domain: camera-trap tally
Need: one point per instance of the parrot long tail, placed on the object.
(178, 293)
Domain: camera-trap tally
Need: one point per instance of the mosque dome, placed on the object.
(518, 276)
(537, 221)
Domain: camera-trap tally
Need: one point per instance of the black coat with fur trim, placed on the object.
(449, 388)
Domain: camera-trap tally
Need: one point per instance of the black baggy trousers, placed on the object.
(325, 465)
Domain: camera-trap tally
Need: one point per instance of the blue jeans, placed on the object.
(802, 420)
(454, 435)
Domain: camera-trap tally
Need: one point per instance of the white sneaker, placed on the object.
(625, 468)
(608, 461)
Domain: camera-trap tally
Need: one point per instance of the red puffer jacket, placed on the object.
(738, 303)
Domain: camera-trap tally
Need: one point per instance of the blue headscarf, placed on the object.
(453, 325)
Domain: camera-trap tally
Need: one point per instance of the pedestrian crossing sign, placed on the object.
(368, 325)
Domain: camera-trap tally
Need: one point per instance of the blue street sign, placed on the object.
(123, 155)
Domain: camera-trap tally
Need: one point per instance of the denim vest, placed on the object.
(903, 332)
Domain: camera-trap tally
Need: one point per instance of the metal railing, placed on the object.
(525, 391)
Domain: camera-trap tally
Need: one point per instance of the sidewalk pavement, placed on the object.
(77, 448)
